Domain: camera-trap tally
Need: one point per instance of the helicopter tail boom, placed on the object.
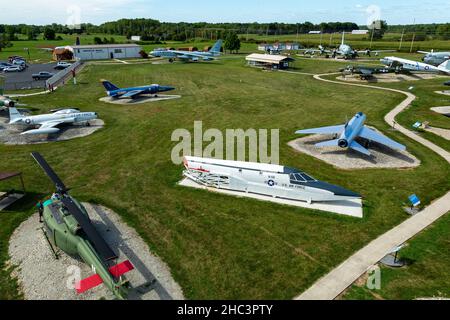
(95, 280)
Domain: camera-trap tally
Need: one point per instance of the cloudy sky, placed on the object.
(98, 11)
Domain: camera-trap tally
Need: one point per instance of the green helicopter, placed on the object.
(68, 227)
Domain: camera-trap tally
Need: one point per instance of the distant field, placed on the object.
(389, 41)
(219, 246)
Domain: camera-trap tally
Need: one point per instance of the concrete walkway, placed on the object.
(339, 279)
(28, 94)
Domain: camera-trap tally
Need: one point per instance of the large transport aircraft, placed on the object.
(344, 50)
(265, 179)
(401, 64)
(435, 58)
(188, 55)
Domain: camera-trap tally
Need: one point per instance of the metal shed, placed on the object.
(104, 51)
(269, 61)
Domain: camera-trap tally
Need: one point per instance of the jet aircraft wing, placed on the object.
(324, 130)
(46, 127)
(314, 51)
(132, 94)
(50, 124)
(370, 134)
(366, 72)
(190, 55)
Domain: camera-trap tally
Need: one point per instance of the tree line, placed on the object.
(152, 30)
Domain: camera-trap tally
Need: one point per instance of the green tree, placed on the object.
(232, 42)
(4, 42)
(10, 33)
(443, 31)
(31, 35)
(49, 33)
(98, 40)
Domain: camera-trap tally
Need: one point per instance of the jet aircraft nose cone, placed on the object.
(338, 191)
(165, 88)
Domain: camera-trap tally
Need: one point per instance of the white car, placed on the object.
(19, 62)
(62, 65)
(13, 69)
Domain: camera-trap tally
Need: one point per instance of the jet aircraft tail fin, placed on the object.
(343, 37)
(14, 114)
(445, 67)
(109, 86)
(216, 47)
(331, 143)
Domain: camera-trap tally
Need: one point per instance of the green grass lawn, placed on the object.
(428, 254)
(219, 246)
(420, 108)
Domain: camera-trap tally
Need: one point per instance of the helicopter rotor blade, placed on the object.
(60, 187)
(94, 237)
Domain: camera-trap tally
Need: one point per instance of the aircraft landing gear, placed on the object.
(171, 60)
(55, 252)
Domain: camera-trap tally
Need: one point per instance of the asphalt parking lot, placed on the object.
(23, 80)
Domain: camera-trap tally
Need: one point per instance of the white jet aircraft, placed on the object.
(409, 65)
(48, 122)
(265, 179)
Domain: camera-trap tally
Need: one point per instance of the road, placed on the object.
(343, 276)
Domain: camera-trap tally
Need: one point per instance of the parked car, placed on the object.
(4, 65)
(43, 75)
(19, 62)
(447, 83)
(13, 69)
(12, 58)
(62, 65)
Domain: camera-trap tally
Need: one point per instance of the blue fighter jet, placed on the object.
(133, 92)
(349, 132)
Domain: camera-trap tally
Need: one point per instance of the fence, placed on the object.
(24, 85)
(62, 75)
